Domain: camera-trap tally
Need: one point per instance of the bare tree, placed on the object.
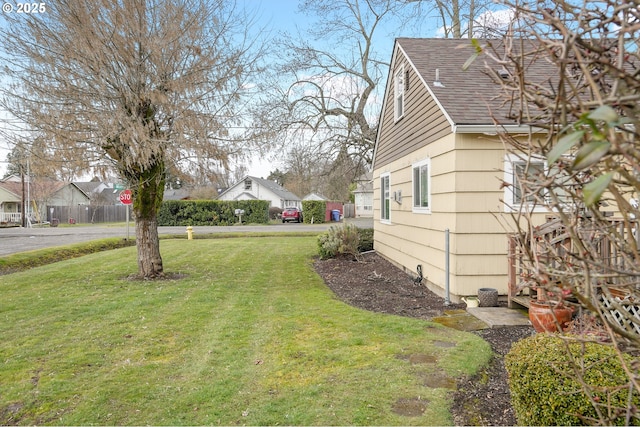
(137, 85)
(585, 171)
(325, 97)
(460, 18)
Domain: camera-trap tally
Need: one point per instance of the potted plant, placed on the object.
(549, 316)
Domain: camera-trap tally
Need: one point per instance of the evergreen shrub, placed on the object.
(212, 212)
(545, 390)
(314, 209)
(338, 240)
(365, 239)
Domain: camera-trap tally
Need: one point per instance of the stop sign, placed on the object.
(126, 197)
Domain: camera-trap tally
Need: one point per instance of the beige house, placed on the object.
(439, 169)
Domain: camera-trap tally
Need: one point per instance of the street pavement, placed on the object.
(18, 239)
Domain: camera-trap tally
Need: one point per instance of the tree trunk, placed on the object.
(147, 198)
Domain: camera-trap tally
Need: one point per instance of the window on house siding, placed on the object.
(247, 184)
(517, 172)
(523, 172)
(399, 86)
(422, 186)
(385, 202)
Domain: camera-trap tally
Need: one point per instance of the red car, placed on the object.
(291, 214)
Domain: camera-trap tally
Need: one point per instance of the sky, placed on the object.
(276, 15)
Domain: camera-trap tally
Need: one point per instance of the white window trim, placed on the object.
(398, 92)
(382, 198)
(509, 204)
(421, 209)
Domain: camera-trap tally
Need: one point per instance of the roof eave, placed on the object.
(495, 129)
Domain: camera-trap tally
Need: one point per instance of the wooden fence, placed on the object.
(86, 214)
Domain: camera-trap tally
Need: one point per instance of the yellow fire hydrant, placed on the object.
(189, 232)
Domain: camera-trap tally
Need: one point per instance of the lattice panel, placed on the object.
(624, 320)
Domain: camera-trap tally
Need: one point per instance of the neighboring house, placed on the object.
(41, 194)
(93, 188)
(176, 194)
(314, 196)
(439, 168)
(66, 194)
(252, 188)
(363, 196)
(10, 203)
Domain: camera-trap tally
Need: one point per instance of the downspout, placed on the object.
(447, 298)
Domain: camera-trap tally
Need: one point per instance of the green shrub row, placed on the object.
(346, 239)
(212, 212)
(314, 210)
(545, 390)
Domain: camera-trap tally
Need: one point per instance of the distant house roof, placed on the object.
(314, 196)
(88, 187)
(466, 96)
(276, 188)
(364, 187)
(273, 186)
(11, 189)
(177, 194)
(109, 196)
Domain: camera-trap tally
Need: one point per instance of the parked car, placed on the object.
(291, 214)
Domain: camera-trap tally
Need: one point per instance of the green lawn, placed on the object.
(249, 335)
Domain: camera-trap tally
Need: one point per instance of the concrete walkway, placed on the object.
(496, 317)
(477, 318)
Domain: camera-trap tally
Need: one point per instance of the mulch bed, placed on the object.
(373, 283)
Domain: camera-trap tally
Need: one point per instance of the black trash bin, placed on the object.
(335, 215)
(55, 222)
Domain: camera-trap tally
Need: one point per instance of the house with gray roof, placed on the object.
(444, 185)
(252, 188)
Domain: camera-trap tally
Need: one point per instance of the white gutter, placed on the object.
(495, 129)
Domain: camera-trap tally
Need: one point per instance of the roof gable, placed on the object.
(446, 93)
(8, 193)
(467, 96)
(275, 188)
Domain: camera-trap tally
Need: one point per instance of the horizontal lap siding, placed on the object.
(466, 173)
(423, 122)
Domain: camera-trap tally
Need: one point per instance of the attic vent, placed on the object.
(437, 81)
(503, 73)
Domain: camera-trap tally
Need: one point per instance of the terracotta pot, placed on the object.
(545, 316)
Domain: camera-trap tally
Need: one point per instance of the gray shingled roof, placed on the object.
(466, 95)
(276, 188)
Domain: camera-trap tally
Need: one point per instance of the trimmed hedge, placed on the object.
(545, 392)
(315, 209)
(212, 212)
